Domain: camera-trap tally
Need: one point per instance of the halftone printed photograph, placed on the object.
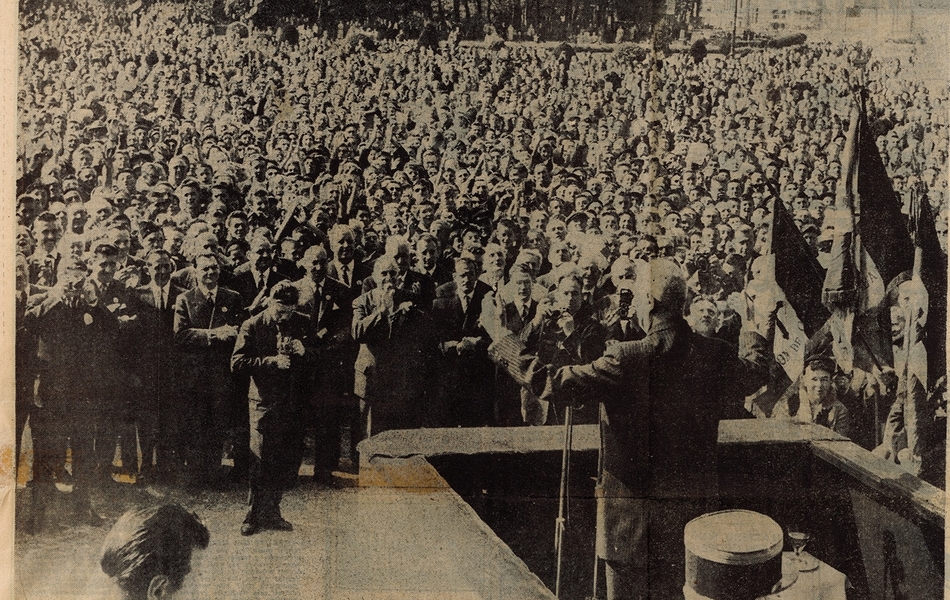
(478, 300)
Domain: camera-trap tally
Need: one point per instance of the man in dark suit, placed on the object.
(273, 349)
(326, 302)
(206, 324)
(157, 407)
(44, 262)
(116, 423)
(77, 346)
(662, 400)
(466, 390)
(26, 363)
(428, 260)
(518, 309)
(345, 267)
(394, 358)
(203, 243)
(254, 279)
(618, 312)
(564, 332)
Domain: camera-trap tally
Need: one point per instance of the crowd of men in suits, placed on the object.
(317, 228)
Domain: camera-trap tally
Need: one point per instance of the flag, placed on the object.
(798, 278)
(789, 273)
(797, 270)
(840, 293)
(933, 274)
(871, 247)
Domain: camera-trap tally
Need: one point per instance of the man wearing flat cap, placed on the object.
(273, 348)
(77, 341)
(817, 399)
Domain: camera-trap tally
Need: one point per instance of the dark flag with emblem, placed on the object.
(871, 247)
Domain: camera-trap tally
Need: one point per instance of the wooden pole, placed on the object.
(562, 507)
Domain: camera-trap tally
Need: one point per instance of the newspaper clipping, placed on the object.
(523, 299)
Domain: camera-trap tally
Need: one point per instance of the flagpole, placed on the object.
(563, 498)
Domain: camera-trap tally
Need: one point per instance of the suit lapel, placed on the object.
(318, 304)
(204, 310)
(472, 310)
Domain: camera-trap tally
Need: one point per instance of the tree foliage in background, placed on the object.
(543, 20)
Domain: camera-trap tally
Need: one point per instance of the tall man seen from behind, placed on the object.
(662, 400)
(273, 348)
(206, 324)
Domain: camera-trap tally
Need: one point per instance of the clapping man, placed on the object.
(206, 324)
(467, 377)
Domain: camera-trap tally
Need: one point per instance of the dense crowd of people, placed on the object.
(206, 218)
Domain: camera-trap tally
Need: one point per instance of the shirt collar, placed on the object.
(520, 306)
(211, 295)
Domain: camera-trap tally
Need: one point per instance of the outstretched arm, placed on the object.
(572, 382)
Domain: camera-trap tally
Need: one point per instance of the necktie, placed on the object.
(464, 304)
(211, 303)
(318, 300)
(345, 275)
(161, 299)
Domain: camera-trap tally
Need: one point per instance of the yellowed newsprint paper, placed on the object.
(474, 299)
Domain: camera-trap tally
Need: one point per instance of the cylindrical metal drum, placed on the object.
(733, 555)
